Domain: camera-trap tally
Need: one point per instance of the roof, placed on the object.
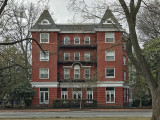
(108, 23)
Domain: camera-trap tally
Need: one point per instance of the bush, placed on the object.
(74, 103)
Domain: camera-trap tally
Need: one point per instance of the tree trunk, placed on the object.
(155, 106)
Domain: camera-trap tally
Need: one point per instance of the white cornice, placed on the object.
(44, 84)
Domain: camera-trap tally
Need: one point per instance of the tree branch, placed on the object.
(3, 6)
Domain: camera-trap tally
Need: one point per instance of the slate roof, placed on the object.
(115, 26)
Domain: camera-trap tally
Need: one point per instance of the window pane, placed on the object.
(87, 40)
(44, 56)
(109, 37)
(42, 97)
(110, 72)
(44, 73)
(87, 73)
(112, 96)
(77, 56)
(66, 41)
(46, 96)
(43, 89)
(110, 55)
(87, 56)
(77, 40)
(44, 37)
(66, 56)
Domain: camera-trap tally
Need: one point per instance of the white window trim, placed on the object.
(124, 60)
(64, 92)
(124, 75)
(40, 96)
(40, 37)
(106, 55)
(89, 40)
(48, 23)
(40, 75)
(79, 41)
(76, 94)
(79, 72)
(64, 40)
(75, 56)
(106, 75)
(113, 38)
(65, 72)
(85, 56)
(40, 55)
(114, 95)
(68, 55)
(85, 72)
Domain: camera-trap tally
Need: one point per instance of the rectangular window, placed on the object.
(66, 56)
(124, 75)
(76, 40)
(66, 73)
(89, 95)
(87, 73)
(64, 93)
(110, 95)
(44, 96)
(44, 56)
(87, 56)
(109, 37)
(44, 73)
(110, 55)
(124, 60)
(76, 73)
(77, 93)
(124, 46)
(77, 56)
(110, 72)
(44, 38)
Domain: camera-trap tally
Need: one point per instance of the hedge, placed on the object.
(74, 103)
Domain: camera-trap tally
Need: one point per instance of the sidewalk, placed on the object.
(67, 110)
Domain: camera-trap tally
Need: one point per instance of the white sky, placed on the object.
(60, 12)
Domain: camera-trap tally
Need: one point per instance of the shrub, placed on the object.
(74, 103)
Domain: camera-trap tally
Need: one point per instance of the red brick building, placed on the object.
(76, 53)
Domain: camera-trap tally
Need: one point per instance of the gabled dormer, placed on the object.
(45, 22)
(108, 17)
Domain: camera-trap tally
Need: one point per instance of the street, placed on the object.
(75, 114)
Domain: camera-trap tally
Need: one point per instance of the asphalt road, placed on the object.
(73, 114)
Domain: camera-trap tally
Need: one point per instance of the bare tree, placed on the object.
(130, 10)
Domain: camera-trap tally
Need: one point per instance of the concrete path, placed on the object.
(90, 113)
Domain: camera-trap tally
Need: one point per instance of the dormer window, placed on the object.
(109, 21)
(45, 22)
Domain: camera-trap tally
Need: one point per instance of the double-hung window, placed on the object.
(76, 40)
(87, 40)
(87, 73)
(44, 96)
(77, 56)
(66, 40)
(64, 93)
(66, 73)
(44, 56)
(110, 95)
(76, 72)
(90, 95)
(44, 73)
(77, 93)
(44, 38)
(87, 56)
(124, 75)
(66, 56)
(110, 72)
(109, 37)
(110, 55)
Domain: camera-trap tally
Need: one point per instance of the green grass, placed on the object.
(95, 118)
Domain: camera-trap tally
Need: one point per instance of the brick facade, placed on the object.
(108, 91)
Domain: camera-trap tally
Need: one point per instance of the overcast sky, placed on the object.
(59, 8)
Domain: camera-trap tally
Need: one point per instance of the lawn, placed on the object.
(95, 118)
